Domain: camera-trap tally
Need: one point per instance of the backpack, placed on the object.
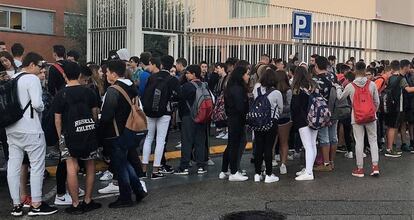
(392, 96)
(319, 115)
(341, 109)
(259, 117)
(79, 128)
(156, 97)
(202, 107)
(10, 110)
(363, 105)
(219, 111)
(137, 121)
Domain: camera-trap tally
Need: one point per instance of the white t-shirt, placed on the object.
(275, 99)
(28, 89)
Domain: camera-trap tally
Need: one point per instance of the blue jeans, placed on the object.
(127, 177)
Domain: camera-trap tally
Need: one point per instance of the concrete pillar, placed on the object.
(135, 37)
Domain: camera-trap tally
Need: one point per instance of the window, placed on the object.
(248, 8)
(27, 20)
(11, 19)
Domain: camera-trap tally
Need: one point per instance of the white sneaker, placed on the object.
(144, 186)
(304, 176)
(243, 172)
(349, 155)
(277, 157)
(290, 157)
(237, 177)
(274, 163)
(225, 137)
(210, 162)
(258, 178)
(111, 188)
(283, 169)
(81, 192)
(178, 146)
(63, 200)
(220, 135)
(224, 175)
(106, 176)
(364, 155)
(301, 172)
(271, 179)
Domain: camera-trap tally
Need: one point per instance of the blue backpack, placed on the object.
(259, 117)
(319, 115)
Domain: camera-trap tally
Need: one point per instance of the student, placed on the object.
(56, 79)
(192, 134)
(285, 123)
(264, 140)
(366, 121)
(396, 84)
(7, 61)
(221, 70)
(17, 51)
(236, 105)
(302, 86)
(405, 72)
(145, 74)
(160, 91)
(73, 104)
(136, 70)
(115, 112)
(180, 64)
(73, 56)
(26, 135)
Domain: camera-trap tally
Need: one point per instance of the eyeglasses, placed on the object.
(41, 64)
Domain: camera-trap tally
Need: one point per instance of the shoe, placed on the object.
(277, 157)
(92, 205)
(271, 179)
(210, 162)
(178, 146)
(304, 177)
(301, 172)
(78, 210)
(121, 204)
(144, 186)
(323, 168)
(140, 196)
(283, 169)
(17, 211)
(341, 149)
(243, 172)
(201, 170)
(405, 148)
(63, 200)
(375, 170)
(106, 176)
(358, 172)
(237, 177)
(143, 175)
(81, 192)
(110, 189)
(181, 171)
(157, 175)
(258, 178)
(349, 155)
(392, 153)
(396, 150)
(166, 170)
(220, 135)
(290, 157)
(224, 175)
(364, 155)
(225, 137)
(42, 210)
(274, 163)
(26, 201)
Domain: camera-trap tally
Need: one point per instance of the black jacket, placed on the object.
(236, 102)
(188, 95)
(116, 106)
(55, 80)
(299, 109)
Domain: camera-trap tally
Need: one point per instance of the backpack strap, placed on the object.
(128, 99)
(60, 69)
(30, 102)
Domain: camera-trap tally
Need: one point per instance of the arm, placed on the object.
(288, 100)
(279, 100)
(176, 89)
(236, 95)
(341, 95)
(35, 94)
(109, 106)
(376, 96)
(58, 124)
(409, 89)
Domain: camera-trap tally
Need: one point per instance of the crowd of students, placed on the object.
(86, 112)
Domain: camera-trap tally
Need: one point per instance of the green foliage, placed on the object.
(76, 30)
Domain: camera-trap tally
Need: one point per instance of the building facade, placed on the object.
(38, 25)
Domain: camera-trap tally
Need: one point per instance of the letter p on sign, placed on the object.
(300, 24)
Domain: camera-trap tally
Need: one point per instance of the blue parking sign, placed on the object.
(301, 25)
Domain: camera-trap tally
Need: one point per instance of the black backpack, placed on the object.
(10, 110)
(156, 97)
(392, 95)
(79, 128)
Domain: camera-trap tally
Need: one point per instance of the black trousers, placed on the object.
(235, 145)
(346, 123)
(264, 145)
(4, 144)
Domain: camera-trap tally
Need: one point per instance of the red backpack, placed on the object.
(202, 107)
(363, 105)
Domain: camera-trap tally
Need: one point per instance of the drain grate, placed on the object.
(254, 215)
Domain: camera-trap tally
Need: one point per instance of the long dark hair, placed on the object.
(8, 56)
(282, 81)
(236, 78)
(302, 79)
(268, 79)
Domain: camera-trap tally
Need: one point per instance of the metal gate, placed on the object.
(213, 30)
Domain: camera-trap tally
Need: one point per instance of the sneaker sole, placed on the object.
(375, 174)
(64, 204)
(167, 172)
(304, 179)
(182, 174)
(392, 156)
(358, 175)
(111, 192)
(17, 215)
(201, 172)
(41, 213)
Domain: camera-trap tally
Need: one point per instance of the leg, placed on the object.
(133, 159)
(258, 153)
(37, 153)
(372, 138)
(390, 137)
(148, 142)
(187, 137)
(306, 135)
(120, 162)
(200, 145)
(73, 185)
(23, 181)
(270, 138)
(324, 144)
(242, 147)
(162, 130)
(90, 179)
(347, 134)
(225, 161)
(283, 135)
(359, 133)
(333, 139)
(61, 175)
(14, 167)
(235, 134)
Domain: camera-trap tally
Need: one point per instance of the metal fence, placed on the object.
(213, 30)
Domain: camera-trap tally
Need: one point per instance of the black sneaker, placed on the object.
(201, 170)
(405, 148)
(121, 204)
(143, 175)
(17, 210)
(166, 169)
(140, 196)
(181, 171)
(78, 210)
(157, 175)
(43, 209)
(341, 149)
(92, 205)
